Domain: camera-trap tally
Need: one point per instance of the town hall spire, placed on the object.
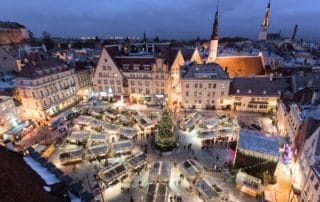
(265, 24)
(213, 49)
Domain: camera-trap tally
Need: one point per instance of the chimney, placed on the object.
(271, 77)
(315, 97)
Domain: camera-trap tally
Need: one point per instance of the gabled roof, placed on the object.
(242, 65)
(257, 142)
(30, 69)
(259, 86)
(301, 97)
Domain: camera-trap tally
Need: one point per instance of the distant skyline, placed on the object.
(178, 19)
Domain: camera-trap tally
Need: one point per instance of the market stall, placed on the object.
(98, 138)
(96, 124)
(110, 128)
(210, 191)
(97, 151)
(71, 156)
(191, 168)
(157, 192)
(84, 120)
(248, 184)
(122, 147)
(127, 132)
(160, 171)
(188, 125)
(137, 161)
(113, 173)
(78, 137)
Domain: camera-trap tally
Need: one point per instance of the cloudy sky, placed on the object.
(167, 18)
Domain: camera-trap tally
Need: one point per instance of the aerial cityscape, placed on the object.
(171, 114)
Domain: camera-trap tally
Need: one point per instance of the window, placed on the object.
(147, 91)
(112, 82)
(187, 93)
(33, 94)
(209, 94)
(119, 89)
(132, 90)
(187, 85)
(249, 91)
(105, 60)
(238, 91)
(132, 83)
(237, 104)
(209, 85)
(104, 68)
(222, 93)
(162, 84)
(214, 85)
(196, 85)
(105, 81)
(147, 83)
(99, 81)
(200, 85)
(118, 82)
(213, 94)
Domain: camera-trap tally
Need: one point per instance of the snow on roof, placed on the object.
(257, 142)
(48, 177)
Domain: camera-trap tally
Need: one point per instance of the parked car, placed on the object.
(54, 125)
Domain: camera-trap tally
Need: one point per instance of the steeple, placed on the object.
(266, 16)
(215, 34)
(265, 24)
(213, 47)
(144, 37)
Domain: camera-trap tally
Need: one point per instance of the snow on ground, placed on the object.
(74, 198)
(48, 177)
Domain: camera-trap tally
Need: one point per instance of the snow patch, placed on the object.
(74, 198)
(48, 189)
(48, 177)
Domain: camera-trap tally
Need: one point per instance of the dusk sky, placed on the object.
(167, 18)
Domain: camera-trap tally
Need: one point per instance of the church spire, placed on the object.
(213, 47)
(263, 35)
(266, 16)
(215, 34)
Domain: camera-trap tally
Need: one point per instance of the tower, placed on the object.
(265, 25)
(293, 38)
(213, 47)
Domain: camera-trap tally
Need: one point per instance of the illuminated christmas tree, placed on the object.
(165, 139)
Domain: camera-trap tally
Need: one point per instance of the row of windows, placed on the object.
(112, 82)
(107, 74)
(199, 94)
(200, 85)
(252, 106)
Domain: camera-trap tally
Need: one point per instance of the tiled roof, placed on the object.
(259, 86)
(255, 141)
(31, 69)
(131, 61)
(202, 72)
(242, 65)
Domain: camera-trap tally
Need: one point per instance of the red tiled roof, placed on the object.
(242, 65)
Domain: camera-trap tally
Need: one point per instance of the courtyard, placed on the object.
(109, 149)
